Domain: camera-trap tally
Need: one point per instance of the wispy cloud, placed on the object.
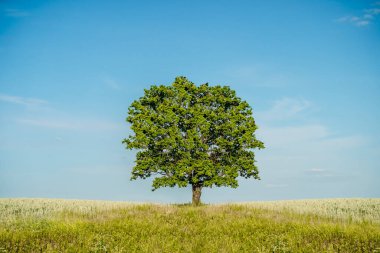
(364, 19)
(355, 20)
(313, 136)
(277, 135)
(49, 123)
(318, 172)
(285, 108)
(71, 124)
(111, 83)
(259, 76)
(28, 102)
(307, 150)
(276, 185)
(16, 13)
(304, 149)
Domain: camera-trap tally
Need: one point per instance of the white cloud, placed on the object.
(293, 111)
(362, 23)
(318, 172)
(308, 138)
(28, 102)
(304, 150)
(357, 21)
(69, 123)
(361, 20)
(259, 76)
(373, 11)
(16, 13)
(285, 137)
(276, 185)
(111, 83)
(285, 108)
(72, 124)
(48, 123)
(343, 142)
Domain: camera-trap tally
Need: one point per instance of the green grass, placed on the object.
(333, 225)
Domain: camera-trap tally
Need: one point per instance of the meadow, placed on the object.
(53, 225)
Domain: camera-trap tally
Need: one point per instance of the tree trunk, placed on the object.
(197, 191)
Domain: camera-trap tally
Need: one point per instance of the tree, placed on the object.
(187, 135)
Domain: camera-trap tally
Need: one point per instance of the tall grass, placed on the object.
(340, 209)
(45, 225)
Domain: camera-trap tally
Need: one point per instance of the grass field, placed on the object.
(331, 225)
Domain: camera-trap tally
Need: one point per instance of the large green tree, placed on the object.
(201, 136)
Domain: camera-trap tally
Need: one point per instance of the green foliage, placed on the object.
(186, 134)
(89, 226)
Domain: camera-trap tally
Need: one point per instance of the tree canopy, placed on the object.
(202, 136)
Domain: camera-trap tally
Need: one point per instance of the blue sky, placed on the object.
(70, 69)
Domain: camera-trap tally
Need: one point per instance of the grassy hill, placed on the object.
(49, 225)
